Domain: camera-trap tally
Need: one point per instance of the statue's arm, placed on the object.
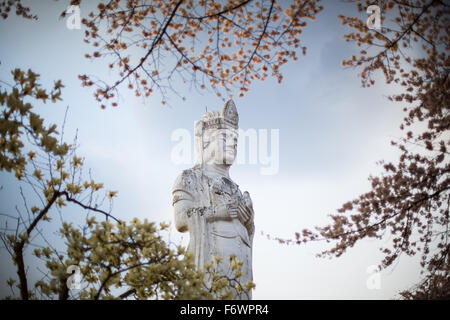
(185, 205)
(185, 198)
(218, 212)
(183, 201)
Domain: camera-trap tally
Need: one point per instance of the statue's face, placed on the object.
(222, 146)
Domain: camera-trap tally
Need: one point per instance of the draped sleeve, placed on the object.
(190, 201)
(185, 197)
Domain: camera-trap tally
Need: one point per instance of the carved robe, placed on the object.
(212, 233)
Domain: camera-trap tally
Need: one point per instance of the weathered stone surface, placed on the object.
(208, 204)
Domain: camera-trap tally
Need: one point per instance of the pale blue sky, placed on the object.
(332, 131)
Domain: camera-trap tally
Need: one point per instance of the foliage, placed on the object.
(154, 45)
(133, 258)
(410, 201)
(435, 285)
(20, 9)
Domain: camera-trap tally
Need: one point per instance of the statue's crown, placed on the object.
(227, 118)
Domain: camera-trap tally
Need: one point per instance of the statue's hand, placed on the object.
(239, 211)
(233, 211)
(245, 213)
(222, 211)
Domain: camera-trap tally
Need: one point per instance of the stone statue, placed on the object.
(208, 204)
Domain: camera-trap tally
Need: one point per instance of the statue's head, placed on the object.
(216, 136)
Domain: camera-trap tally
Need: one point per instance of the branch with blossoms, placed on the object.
(408, 202)
(225, 45)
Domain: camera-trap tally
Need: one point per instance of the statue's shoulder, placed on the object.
(188, 179)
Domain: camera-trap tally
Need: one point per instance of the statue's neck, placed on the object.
(217, 170)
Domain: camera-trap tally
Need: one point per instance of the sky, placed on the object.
(331, 133)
